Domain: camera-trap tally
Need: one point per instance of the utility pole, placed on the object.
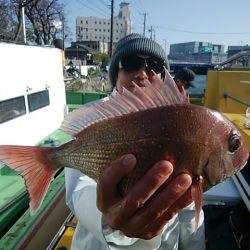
(111, 28)
(165, 45)
(144, 22)
(151, 30)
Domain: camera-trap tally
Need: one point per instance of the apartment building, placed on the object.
(94, 32)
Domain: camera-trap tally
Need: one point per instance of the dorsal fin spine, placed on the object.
(154, 95)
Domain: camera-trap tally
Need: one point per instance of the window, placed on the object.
(86, 21)
(38, 100)
(12, 108)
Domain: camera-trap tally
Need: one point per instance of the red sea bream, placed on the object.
(153, 123)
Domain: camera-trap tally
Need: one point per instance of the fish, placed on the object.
(154, 123)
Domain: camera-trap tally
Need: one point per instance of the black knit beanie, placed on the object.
(135, 44)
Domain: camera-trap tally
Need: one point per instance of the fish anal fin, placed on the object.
(34, 166)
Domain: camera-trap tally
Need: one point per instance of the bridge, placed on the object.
(198, 68)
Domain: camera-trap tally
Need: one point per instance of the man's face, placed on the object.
(128, 79)
(136, 71)
(181, 84)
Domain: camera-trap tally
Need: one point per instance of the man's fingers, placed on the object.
(111, 177)
(162, 207)
(141, 192)
(150, 182)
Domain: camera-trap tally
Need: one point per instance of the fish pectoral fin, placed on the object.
(197, 194)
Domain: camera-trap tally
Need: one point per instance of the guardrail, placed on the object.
(227, 95)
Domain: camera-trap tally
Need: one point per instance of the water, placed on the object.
(200, 85)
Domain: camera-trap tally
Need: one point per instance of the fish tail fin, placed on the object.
(197, 193)
(35, 167)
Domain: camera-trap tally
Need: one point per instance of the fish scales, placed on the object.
(149, 135)
(153, 123)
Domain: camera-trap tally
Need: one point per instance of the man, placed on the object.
(149, 216)
(184, 78)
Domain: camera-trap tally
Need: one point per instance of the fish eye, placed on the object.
(234, 143)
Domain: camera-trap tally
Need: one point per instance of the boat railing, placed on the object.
(227, 95)
(13, 201)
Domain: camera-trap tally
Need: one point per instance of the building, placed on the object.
(79, 54)
(232, 50)
(202, 52)
(94, 32)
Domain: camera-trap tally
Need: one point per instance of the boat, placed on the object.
(33, 103)
(227, 205)
(37, 74)
(32, 106)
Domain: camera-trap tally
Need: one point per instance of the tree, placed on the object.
(7, 21)
(101, 57)
(41, 16)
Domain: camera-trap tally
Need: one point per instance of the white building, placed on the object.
(94, 32)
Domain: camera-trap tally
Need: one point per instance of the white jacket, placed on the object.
(92, 233)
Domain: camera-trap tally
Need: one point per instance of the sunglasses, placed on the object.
(134, 63)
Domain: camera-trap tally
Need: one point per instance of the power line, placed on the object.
(202, 33)
(104, 3)
(96, 9)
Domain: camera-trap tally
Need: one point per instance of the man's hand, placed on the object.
(148, 206)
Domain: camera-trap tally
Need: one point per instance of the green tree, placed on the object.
(101, 57)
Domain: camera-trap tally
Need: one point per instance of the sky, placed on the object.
(225, 22)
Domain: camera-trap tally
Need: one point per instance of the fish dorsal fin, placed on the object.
(156, 94)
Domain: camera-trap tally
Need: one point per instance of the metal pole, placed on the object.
(227, 95)
(144, 23)
(151, 32)
(63, 30)
(111, 28)
(165, 45)
(23, 25)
